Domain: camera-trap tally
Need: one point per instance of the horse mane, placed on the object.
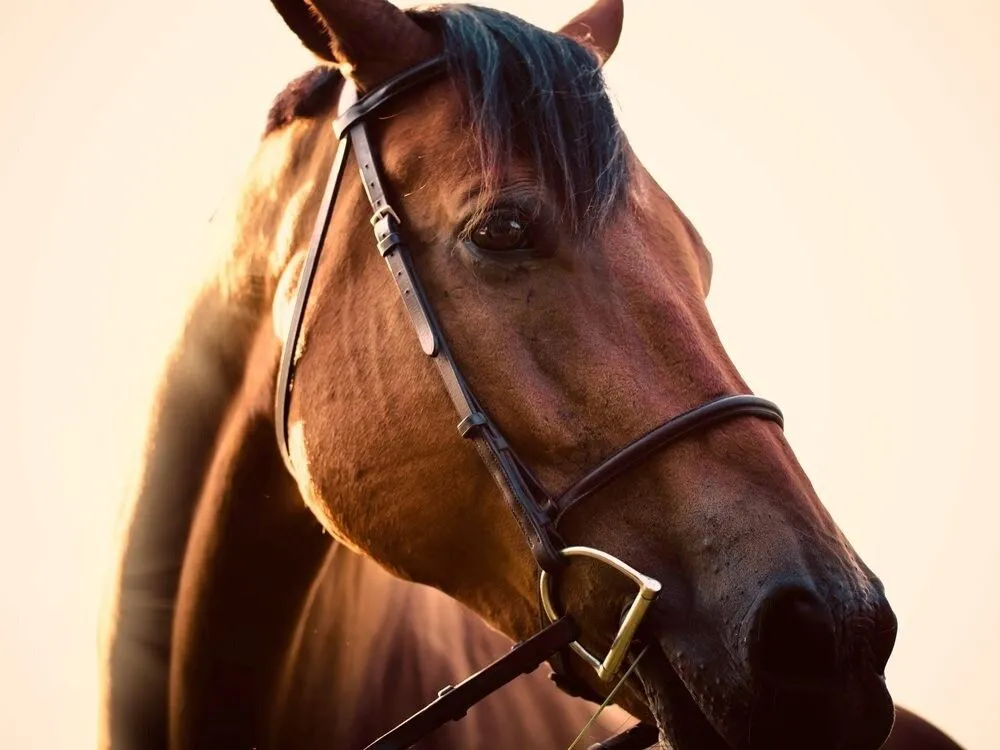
(309, 95)
(529, 94)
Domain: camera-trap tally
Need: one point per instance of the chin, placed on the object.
(668, 702)
(693, 716)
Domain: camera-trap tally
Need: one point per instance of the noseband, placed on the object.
(537, 511)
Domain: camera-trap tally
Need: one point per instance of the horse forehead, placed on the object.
(427, 148)
(427, 125)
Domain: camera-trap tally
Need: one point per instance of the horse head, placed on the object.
(570, 290)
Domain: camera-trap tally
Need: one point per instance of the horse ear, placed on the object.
(299, 17)
(369, 40)
(599, 27)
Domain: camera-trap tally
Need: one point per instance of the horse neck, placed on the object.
(274, 623)
(252, 553)
(267, 624)
(296, 640)
(199, 385)
(378, 648)
(195, 392)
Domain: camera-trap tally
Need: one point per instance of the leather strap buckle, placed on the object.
(472, 422)
(649, 588)
(382, 211)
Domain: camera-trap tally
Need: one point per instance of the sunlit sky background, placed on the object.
(841, 159)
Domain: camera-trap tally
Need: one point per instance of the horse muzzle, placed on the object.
(808, 673)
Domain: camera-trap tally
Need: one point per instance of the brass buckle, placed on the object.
(649, 588)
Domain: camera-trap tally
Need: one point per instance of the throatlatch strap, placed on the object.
(283, 392)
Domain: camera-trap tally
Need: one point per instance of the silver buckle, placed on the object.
(649, 588)
(382, 212)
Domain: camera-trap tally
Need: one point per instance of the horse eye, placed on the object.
(502, 231)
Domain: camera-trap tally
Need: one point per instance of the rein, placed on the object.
(537, 512)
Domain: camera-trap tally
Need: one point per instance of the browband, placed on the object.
(388, 91)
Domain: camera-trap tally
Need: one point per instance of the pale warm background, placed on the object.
(842, 162)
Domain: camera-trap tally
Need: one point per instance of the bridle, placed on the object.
(537, 512)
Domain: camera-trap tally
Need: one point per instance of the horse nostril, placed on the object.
(792, 638)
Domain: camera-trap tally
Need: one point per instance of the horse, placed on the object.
(315, 589)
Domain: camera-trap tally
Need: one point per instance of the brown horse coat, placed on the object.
(238, 621)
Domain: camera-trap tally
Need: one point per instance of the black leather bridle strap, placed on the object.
(289, 352)
(524, 496)
(408, 79)
(528, 507)
(453, 702)
(707, 414)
